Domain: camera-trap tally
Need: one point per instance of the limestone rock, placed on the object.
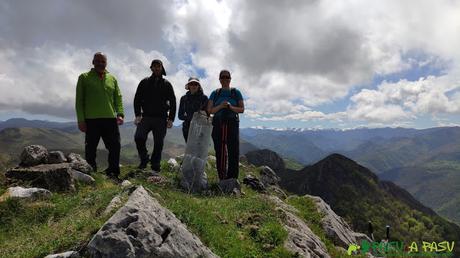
(268, 176)
(173, 165)
(26, 193)
(143, 228)
(254, 183)
(301, 239)
(82, 177)
(69, 254)
(79, 163)
(56, 157)
(335, 226)
(33, 155)
(54, 177)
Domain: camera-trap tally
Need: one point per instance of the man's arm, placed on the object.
(138, 100)
(118, 100)
(80, 104)
(181, 113)
(172, 103)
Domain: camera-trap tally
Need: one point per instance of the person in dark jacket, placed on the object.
(193, 101)
(155, 110)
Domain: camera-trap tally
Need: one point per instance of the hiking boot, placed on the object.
(143, 165)
(114, 178)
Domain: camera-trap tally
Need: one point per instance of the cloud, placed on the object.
(288, 58)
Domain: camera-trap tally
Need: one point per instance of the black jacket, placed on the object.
(191, 103)
(155, 98)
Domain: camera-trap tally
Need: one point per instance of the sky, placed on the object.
(298, 63)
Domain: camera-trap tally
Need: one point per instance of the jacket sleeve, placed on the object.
(118, 101)
(172, 102)
(204, 103)
(182, 109)
(80, 100)
(138, 100)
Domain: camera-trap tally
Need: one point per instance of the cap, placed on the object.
(158, 61)
(192, 79)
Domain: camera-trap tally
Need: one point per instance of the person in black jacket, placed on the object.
(155, 110)
(193, 101)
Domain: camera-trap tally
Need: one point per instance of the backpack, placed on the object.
(228, 114)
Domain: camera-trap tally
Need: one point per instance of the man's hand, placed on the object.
(137, 120)
(120, 120)
(82, 126)
(169, 123)
(224, 104)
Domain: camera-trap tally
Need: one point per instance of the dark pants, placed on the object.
(185, 129)
(227, 146)
(158, 127)
(107, 129)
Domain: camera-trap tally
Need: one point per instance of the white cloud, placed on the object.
(288, 58)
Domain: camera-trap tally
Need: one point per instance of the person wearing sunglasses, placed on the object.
(226, 104)
(193, 101)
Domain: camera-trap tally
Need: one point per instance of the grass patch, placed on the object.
(67, 221)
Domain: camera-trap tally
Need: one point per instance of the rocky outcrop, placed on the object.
(69, 254)
(301, 240)
(56, 157)
(266, 157)
(82, 177)
(335, 226)
(268, 176)
(143, 228)
(173, 165)
(26, 193)
(254, 183)
(79, 163)
(54, 177)
(33, 155)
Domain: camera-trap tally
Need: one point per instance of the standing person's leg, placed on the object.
(233, 143)
(159, 133)
(111, 138)
(140, 137)
(92, 137)
(218, 148)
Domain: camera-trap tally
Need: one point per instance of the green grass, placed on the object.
(231, 226)
(64, 222)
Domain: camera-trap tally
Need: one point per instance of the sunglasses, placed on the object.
(225, 77)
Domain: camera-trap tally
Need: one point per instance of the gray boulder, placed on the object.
(34, 155)
(54, 177)
(26, 193)
(254, 183)
(69, 254)
(143, 228)
(173, 165)
(301, 240)
(56, 157)
(79, 163)
(268, 176)
(82, 177)
(335, 226)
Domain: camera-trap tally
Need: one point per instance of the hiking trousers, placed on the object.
(156, 125)
(107, 129)
(225, 136)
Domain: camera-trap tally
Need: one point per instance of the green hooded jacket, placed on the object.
(98, 97)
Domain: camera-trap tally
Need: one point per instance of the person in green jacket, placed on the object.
(99, 110)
